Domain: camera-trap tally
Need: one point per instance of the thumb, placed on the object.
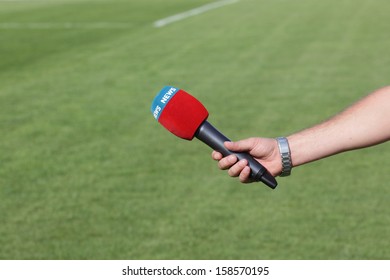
(241, 145)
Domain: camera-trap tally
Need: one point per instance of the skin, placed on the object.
(363, 124)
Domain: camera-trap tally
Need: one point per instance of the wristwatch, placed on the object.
(285, 154)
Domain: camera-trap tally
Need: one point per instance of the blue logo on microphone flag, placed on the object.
(162, 99)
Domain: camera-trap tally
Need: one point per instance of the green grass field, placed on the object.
(87, 173)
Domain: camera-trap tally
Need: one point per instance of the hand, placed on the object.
(264, 150)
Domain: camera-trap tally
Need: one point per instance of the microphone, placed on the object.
(184, 116)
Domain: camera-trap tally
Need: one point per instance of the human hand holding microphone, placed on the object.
(184, 116)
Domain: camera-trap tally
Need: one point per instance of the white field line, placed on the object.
(64, 25)
(168, 20)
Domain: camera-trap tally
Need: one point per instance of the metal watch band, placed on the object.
(285, 154)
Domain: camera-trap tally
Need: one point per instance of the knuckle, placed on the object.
(232, 172)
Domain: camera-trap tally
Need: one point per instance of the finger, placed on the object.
(227, 162)
(236, 169)
(216, 155)
(241, 145)
(244, 175)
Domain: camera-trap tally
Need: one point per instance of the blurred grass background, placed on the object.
(87, 173)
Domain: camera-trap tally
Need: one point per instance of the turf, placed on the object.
(87, 173)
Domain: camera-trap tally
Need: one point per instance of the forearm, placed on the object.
(363, 124)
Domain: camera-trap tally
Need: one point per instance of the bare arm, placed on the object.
(365, 123)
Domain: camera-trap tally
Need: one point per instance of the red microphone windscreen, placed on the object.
(179, 112)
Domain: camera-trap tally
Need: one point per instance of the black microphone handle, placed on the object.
(209, 135)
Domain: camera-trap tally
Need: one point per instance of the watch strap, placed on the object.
(285, 155)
